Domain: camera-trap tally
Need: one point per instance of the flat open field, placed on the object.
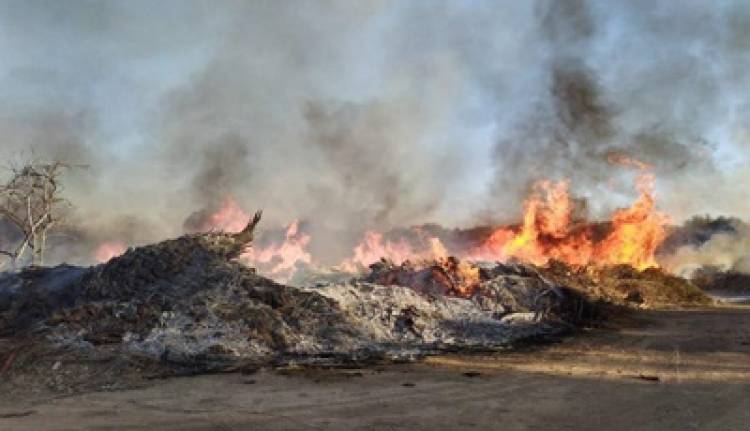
(656, 370)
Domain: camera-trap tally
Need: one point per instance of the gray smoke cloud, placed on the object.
(374, 114)
(597, 95)
(721, 243)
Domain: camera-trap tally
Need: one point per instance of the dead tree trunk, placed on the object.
(30, 202)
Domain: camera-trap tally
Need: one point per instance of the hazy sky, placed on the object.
(376, 113)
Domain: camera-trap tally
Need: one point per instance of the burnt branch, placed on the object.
(246, 235)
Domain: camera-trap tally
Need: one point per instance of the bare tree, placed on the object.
(31, 203)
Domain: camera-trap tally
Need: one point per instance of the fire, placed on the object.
(229, 218)
(281, 259)
(443, 275)
(373, 247)
(108, 250)
(464, 275)
(637, 231)
(549, 231)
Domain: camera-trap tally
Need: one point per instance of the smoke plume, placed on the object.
(373, 114)
(721, 243)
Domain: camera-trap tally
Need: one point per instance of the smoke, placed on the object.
(278, 120)
(597, 95)
(721, 243)
(373, 114)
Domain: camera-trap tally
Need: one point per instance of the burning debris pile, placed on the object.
(189, 304)
(554, 227)
(551, 230)
(444, 276)
(197, 303)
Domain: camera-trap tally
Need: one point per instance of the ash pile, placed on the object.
(187, 305)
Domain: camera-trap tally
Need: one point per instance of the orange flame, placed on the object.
(637, 231)
(466, 275)
(549, 231)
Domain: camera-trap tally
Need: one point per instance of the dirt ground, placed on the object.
(659, 370)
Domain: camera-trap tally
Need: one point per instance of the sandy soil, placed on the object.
(660, 370)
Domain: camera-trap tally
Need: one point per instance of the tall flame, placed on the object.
(549, 231)
(637, 231)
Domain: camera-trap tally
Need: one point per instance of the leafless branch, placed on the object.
(31, 202)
